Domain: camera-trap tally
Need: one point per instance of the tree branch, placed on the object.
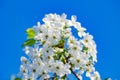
(71, 68)
(74, 73)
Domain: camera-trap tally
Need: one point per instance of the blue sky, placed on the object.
(100, 17)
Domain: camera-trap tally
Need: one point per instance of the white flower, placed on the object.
(79, 60)
(44, 76)
(73, 19)
(51, 18)
(67, 32)
(63, 17)
(27, 50)
(24, 60)
(61, 69)
(23, 70)
(81, 31)
(77, 25)
(94, 75)
(37, 28)
(87, 40)
(28, 77)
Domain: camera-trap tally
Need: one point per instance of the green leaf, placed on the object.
(29, 42)
(30, 32)
(18, 79)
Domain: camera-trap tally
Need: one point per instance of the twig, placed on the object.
(71, 68)
(74, 73)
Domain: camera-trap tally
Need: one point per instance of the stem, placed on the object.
(71, 68)
(66, 58)
(74, 73)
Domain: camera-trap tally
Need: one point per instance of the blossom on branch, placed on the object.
(53, 51)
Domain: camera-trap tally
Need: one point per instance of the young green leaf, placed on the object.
(30, 32)
(29, 42)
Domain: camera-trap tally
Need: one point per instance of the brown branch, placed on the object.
(71, 68)
(74, 74)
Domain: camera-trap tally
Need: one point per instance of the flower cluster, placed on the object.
(53, 50)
